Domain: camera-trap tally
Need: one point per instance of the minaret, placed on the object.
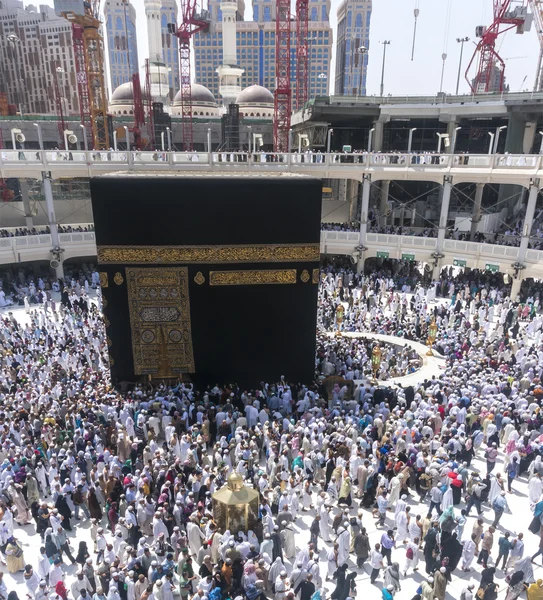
(229, 72)
(154, 35)
(158, 71)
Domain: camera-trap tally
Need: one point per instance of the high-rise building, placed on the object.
(170, 46)
(256, 47)
(120, 18)
(353, 39)
(37, 59)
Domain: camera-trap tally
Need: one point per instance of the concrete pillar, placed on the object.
(383, 207)
(515, 286)
(23, 184)
(476, 216)
(354, 193)
(364, 208)
(528, 221)
(377, 138)
(52, 220)
(342, 190)
(444, 215)
(451, 130)
(530, 131)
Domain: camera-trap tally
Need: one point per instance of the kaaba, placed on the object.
(209, 277)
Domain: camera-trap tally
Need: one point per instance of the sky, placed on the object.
(440, 23)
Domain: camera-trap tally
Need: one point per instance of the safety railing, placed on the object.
(258, 160)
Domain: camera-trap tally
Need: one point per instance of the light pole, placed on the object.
(385, 44)
(162, 140)
(441, 136)
(209, 140)
(362, 51)
(329, 140)
(491, 145)
(85, 142)
(498, 131)
(370, 136)
(40, 138)
(541, 147)
(249, 129)
(14, 132)
(169, 136)
(443, 58)
(410, 140)
(115, 140)
(453, 144)
(66, 133)
(61, 125)
(127, 135)
(14, 41)
(461, 41)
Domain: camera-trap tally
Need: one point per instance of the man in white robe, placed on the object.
(195, 537)
(343, 541)
(324, 523)
(287, 540)
(395, 488)
(400, 505)
(402, 524)
(535, 488)
(468, 554)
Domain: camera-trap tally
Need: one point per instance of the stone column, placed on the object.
(444, 215)
(23, 184)
(476, 217)
(52, 220)
(383, 208)
(364, 207)
(525, 239)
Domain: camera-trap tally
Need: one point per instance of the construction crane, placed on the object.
(490, 65)
(148, 102)
(302, 52)
(89, 64)
(192, 22)
(139, 112)
(536, 7)
(282, 94)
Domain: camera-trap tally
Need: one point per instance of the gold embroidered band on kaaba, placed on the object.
(249, 253)
(252, 277)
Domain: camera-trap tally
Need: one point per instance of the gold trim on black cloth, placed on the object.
(104, 282)
(249, 253)
(159, 306)
(316, 276)
(271, 276)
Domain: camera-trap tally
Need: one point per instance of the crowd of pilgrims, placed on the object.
(358, 484)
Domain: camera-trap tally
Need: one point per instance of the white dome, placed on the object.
(255, 94)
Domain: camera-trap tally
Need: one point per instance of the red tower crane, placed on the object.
(139, 112)
(191, 23)
(490, 64)
(302, 52)
(282, 94)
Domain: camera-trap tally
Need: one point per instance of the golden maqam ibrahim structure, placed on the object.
(235, 506)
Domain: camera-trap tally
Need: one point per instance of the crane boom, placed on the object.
(282, 95)
(490, 62)
(191, 23)
(89, 52)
